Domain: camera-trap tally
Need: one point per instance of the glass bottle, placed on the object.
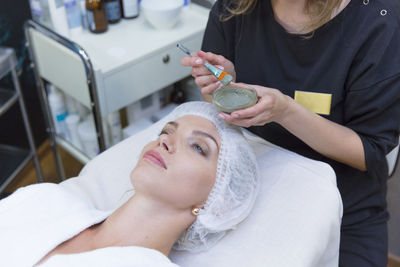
(129, 8)
(96, 16)
(113, 10)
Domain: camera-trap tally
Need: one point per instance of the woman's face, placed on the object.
(179, 168)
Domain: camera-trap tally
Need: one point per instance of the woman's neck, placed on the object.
(143, 222)
(293, 16)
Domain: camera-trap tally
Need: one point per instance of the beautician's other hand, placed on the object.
(203, 78)
(272, 106)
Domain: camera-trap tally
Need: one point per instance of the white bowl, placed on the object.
(162, 14)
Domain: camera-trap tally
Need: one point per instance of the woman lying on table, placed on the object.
(196, 181)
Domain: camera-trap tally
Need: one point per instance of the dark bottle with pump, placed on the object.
(113, 10)
(129, 8)
(96, 16)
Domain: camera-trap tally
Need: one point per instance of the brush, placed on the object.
(221, 75)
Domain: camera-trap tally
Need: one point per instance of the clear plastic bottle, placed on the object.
(114, 127)
(85, 24)
(58, 16)
(58, 110)
(46, 13)
(73, 10)
(36, 10)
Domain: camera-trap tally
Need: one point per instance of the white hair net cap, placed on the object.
(236, 184)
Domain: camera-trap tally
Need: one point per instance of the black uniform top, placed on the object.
(355, 57)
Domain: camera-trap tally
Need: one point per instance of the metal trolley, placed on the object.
(51, 55)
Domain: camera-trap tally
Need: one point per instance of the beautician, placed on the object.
(327, 73)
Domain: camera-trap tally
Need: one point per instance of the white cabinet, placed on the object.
(132, 59)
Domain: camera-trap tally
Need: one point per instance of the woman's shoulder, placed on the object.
(373, 14)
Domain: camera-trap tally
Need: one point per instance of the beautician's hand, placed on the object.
(272, 106)
(203, 78)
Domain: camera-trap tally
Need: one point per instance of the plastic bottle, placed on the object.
(73, 10)
(46, 13)
(58, 110)
(36, 10)
(114, 126)
(88, 137)
(72, 122)
(72, 105)
(129, 8)
(82, 4)
(58, 16)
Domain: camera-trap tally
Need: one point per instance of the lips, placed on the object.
(155, 158)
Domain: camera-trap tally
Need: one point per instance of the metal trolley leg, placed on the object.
(27, 126)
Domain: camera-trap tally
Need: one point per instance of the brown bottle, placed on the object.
(96, 16)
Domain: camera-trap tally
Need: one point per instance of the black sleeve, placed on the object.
(219, 36)
(372, 104)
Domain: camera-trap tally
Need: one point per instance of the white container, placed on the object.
(58, 16)
(130, 8)
(114, 127)
(162, 14)
(58, 110)
(74, 18)
(71, 105)
(72, 122)
(88, 137)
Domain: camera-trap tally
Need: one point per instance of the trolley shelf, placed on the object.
(12, 160)
(7, 99)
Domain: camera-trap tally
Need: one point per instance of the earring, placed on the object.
(195, 211)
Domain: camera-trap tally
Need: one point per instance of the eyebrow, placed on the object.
(196, 132)
(175, 124)
(201, 133)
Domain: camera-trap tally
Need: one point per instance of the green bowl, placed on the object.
(231, 98)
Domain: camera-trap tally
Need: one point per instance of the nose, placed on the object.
(166, 141)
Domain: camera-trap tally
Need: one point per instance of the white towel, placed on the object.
(37, 218)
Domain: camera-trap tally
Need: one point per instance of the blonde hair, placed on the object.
(320, 11)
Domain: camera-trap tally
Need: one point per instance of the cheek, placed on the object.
(196, 180)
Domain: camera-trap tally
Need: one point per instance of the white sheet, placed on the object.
(295, 222)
